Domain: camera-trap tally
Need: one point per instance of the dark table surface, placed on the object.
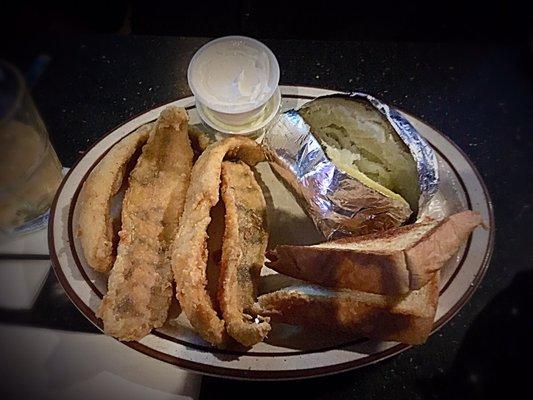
(479, 95)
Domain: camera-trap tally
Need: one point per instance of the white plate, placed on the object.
(285, 354)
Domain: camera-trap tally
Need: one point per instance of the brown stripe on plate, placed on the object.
(278, 374)
(208, 347)
(200, 347)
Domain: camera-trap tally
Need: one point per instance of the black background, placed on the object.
(386, 20)
(464, 68)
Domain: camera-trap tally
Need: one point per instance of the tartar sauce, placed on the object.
(233, 75)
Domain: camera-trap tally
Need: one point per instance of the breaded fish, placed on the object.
(139, 286)
(96, 233)
(243, 252)
(199, 140)
(189, 251)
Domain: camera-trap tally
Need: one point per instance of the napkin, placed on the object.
(48, 363)
(53, 364)
(21, 282)
(32, 244)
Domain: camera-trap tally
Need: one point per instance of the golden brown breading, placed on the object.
(96, 233)
(189, 251)
(199, 140)
(139, 286)
(243, 252)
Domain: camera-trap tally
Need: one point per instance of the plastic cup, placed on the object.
(30, 172)
(247, 115)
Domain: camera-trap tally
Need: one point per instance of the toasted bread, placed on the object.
(404, 318)
(392, 262)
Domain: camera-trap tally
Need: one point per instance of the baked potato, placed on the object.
(358, 166)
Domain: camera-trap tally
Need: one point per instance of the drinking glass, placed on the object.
(30, 171)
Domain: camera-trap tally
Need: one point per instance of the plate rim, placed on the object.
(237, 373)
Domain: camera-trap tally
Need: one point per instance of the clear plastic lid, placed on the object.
(233, 74)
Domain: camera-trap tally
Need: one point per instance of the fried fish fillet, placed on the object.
(189, 250)
(96, 233)
(243, 252)
(139, 286)
(199, 140)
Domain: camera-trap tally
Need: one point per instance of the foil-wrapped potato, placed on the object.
(357, 165)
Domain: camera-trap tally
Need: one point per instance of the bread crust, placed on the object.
(380, 270)
(382, 273)
(432, 251)
(407, 319)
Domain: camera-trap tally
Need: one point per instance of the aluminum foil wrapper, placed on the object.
(339, 204)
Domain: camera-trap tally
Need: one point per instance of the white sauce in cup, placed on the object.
(233, 79)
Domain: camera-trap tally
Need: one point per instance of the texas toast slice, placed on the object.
(392, 262)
